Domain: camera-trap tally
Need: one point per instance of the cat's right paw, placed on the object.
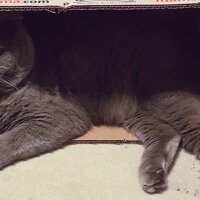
(153, 181)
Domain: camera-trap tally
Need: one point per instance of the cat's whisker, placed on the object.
(5, 78)
(8, 82)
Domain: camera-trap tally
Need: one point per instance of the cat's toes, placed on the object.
(153, 182)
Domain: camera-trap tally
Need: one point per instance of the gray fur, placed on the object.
(136, 70)
(32, 121)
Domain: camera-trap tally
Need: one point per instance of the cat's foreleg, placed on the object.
(40, 135)
(161, 143)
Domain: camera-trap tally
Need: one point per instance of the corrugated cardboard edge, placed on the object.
(105, 142)
(58, 9)
(107, 135)
(53, 9)
(136, 7)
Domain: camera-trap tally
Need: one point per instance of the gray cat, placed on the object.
(136, 70)
(32, 120)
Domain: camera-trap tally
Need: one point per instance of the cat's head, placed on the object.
(16, 52)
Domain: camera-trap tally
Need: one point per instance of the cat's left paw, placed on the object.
(153, 182)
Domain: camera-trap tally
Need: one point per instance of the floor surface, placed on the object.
(94, 172)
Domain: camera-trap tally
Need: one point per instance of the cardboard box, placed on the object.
(103, 134)
(64, 5)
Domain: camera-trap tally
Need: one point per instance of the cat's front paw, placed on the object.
(152, 181)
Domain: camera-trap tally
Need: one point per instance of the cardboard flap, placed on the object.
(132, 2)
(64, 5)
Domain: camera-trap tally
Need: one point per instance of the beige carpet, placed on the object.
(94, 172)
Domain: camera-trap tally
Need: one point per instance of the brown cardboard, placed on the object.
(64, 5)
(131, 4)
(98, 134)
(107, 134)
